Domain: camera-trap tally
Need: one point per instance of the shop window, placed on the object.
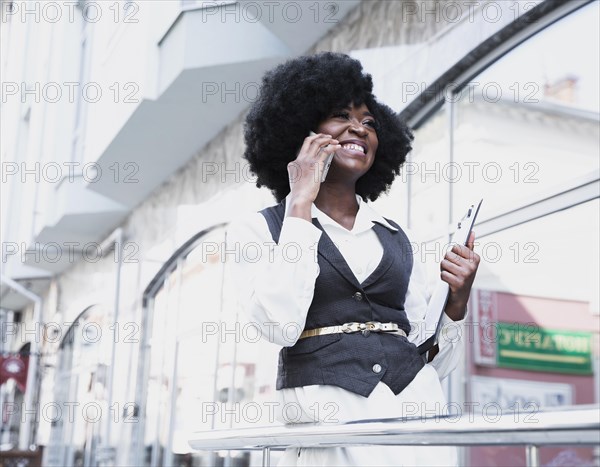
(207, 368)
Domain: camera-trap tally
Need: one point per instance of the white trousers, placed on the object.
(423, 397)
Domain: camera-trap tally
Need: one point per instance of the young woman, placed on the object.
(336, 284)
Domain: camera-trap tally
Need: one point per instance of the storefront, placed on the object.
(513, 120)
(506, 135)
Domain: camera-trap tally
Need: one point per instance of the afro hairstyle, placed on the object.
(299, 94)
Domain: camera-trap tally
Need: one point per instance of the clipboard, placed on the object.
(439, 298)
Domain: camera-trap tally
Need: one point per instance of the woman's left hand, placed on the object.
(458, 269)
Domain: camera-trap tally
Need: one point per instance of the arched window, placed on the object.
(81, 391)
(204, 367)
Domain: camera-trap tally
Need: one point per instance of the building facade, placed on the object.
(121, 170)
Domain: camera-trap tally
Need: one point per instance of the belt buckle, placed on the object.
(364, 328)
(355, 327)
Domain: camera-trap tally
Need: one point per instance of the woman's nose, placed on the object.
(358, 128)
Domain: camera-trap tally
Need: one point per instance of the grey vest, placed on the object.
(355, 362)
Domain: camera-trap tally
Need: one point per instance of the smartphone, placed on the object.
(327, 161)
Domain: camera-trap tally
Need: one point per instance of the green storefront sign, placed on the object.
(529, 347)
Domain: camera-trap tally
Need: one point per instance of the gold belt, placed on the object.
(365, 328)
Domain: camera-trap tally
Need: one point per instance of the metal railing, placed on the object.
(578, 425)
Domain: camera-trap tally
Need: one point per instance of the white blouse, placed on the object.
(275, 286)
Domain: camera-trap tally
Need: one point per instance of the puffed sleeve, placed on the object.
(274, 282)
(452, 335)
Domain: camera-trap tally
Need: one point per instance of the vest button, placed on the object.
(357, 296)
(377, 368)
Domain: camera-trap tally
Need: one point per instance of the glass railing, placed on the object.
(572, 426)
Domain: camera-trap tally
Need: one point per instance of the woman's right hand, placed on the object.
(305, 172)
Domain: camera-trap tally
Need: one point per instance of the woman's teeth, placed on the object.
(354, 147)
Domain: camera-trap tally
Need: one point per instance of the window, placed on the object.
(527, 129)
(207, 368)
(81, 382)
(530, 122)
(523, 135)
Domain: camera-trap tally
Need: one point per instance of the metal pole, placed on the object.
(213, 456)
(451, 114)
(172, 364)
(532, 455)
(231, 393)
(117, 239)
(266, 459)
(577, 425)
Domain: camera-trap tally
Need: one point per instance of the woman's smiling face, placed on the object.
(354, 128)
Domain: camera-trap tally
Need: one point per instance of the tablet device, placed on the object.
(438, 300)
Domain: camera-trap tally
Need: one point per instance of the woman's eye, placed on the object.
(346, 116)
(340, 115)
